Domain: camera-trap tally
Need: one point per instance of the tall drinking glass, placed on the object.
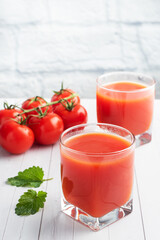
(126, 99)
(97, 173)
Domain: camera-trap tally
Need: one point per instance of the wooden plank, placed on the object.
(55, 224)
(24, 227)
(130, 227)
(83, 232)
(148, 178)
(9, 166)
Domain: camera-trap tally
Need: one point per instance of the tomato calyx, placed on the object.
(68, 105)
(40, 113)
(11, 107)
(61, 90)
(35, 99)
(20, 119)
(6, 106)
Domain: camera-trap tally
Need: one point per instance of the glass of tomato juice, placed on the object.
(126, 99)
(97, 173)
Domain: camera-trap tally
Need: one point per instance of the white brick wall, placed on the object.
(45, 42)
(23, 11)
(7, 50)
(134, 11)
(57, 48)
(77, 12)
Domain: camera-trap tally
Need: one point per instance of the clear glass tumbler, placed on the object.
(97, 163)
(126, 99)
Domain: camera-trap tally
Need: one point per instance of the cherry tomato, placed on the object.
(63, 93)
(35, 102)
(78, 115)
(6, 114)
(47, 129)
(15, 138)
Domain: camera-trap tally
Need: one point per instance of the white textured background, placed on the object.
(44, 42)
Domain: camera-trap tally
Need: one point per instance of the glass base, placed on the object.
(93, 223)
(143, 138)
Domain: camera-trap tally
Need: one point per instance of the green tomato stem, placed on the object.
(48, 104)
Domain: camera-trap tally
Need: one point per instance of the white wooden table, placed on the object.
(50, 223)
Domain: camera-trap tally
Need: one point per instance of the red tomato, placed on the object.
(15, 138)
(35, 102)
(5, 114)
(47, 129)
(78, 115)
(63, 94)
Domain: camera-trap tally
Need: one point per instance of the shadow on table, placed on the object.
(35, 147)
(4, 153)
(66, 226)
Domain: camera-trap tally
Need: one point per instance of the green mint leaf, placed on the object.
(31, 177)
(30, 203)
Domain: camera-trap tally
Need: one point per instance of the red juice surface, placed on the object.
(127, 104)
(99, 182)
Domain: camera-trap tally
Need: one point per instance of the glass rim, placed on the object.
(125, 73)
(97, 154)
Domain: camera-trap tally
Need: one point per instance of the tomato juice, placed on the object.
(97, 172)
(127, 103)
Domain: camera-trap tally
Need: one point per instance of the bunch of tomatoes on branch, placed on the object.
(39, 121)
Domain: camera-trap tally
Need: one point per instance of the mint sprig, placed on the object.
(31, 177)
(30, 202)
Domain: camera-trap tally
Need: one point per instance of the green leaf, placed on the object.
(31, 177)
(30, 203)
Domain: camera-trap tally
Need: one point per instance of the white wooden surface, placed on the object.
(50, 223)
